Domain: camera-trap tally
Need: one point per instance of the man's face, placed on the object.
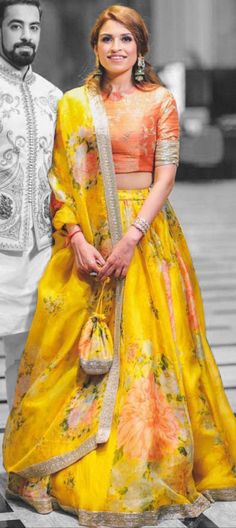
(20, 34)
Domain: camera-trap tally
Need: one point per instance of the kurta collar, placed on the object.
(14, 74)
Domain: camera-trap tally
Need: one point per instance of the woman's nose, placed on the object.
(116, 44)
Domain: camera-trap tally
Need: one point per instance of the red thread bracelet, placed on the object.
(70, 235)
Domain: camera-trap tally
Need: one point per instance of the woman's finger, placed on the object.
(123, 272)
(117, 273)
(100, 260)
(106, 271)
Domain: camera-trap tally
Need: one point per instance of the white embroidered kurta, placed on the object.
(27, 123)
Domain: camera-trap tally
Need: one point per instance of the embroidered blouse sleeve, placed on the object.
(167, 144)
(63, 207)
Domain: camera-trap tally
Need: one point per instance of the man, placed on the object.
(27, 121)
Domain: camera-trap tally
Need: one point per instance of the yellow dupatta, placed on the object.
(83, 183)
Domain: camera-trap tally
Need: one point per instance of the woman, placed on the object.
(146, 440)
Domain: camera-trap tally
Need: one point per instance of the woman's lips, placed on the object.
(116, 58)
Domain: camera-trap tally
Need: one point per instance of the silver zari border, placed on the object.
(59, 462)
(114, 220)
(166, 152)
(107, 166)
(132, 520)
(220, 494)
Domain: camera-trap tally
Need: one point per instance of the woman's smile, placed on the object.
(116, 48)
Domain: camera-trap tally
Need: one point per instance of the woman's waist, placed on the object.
(133, 180)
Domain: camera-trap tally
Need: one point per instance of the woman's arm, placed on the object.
(163, 184)
(118, 262)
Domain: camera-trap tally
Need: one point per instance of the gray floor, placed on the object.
(207, 212)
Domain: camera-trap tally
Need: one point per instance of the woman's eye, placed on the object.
(127, 38)
(106, 39)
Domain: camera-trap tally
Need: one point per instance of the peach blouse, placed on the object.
(144, 129)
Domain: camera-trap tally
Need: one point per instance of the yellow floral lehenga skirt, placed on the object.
(171, 447)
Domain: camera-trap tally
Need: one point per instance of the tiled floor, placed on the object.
(208, 214)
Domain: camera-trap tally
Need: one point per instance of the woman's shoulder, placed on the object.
(158, 94)
(74, 96)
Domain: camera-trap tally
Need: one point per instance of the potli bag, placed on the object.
(95, 344)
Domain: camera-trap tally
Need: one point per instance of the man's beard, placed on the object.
(21, 59)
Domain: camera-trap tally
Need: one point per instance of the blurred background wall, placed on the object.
(193, 48)
(199, 33)
(65, 56)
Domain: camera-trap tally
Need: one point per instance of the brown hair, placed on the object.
(133, 21)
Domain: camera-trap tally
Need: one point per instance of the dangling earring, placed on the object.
(98, 71)
(140, 69)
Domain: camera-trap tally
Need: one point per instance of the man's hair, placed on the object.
(6, 3)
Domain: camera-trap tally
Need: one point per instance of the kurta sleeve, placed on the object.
(167, 144)
(63, 207)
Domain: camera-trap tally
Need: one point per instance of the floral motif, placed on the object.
(154, 310)
(23, 383)
(55, 204)
(34, 489)
(85, 157)
(173, 223)
(189, 293)
(102, 239)
(81, 414)
(69, 481)
(132, 351)
(106, 248)
(82, 409)
(53, 305)
(147, 428)
(166, 276)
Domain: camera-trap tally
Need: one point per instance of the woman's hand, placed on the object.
(87, 257)
(119, 260)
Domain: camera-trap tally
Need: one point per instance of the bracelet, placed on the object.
(70, 235)
(141, 224)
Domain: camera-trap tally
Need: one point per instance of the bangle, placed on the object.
(141, 224)
(70, 235)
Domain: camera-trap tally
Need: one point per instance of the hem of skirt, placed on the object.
(135, 520)
(220, 494)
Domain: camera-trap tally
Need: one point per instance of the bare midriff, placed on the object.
(134, 180)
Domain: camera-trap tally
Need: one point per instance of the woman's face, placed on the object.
(116, 48)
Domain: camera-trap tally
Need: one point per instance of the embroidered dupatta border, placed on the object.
(114, 220)
(109, 180)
